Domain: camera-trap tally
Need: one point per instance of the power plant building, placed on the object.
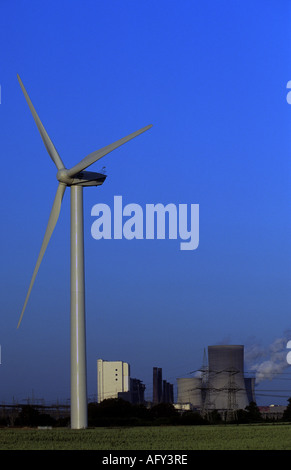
(113, 378)
(114, 381)
(157, 385)
(222, 385)
(190, 391)
(163, 391)
(226, 383)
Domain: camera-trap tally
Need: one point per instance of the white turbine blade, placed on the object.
(94, 156)
(54, 215)
(47, 141)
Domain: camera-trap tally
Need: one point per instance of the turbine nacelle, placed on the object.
(83, 178)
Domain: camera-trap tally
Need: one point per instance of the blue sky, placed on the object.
(211, 77)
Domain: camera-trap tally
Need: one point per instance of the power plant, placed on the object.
(190, 391)
(219, 385)
(114, 381)
(162, 390)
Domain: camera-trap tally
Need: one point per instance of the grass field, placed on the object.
(230, 437)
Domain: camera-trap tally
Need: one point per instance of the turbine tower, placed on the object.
(75, 178)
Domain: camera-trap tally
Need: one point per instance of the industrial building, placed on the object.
(221, 385)
(113, 377)
(114, 381)
(190, 391)
(162, 390)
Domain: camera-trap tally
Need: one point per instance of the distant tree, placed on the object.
(164, 410)
(115, 407)
(29, 416)
(214, 417)
(115, 411)
(93, 413)
(191, 418)
(140, 411)
(242, 416)
(254, 414)
(4, 421)
(287, 412)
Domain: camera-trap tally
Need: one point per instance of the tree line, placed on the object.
(118, 412)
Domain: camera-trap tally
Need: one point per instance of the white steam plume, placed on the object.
(267, 362)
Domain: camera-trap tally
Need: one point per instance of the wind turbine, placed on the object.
(75, 178)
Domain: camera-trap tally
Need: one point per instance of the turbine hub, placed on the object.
(63, 177)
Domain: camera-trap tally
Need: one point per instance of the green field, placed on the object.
(218, 437)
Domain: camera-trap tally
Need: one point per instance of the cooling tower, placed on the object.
(190, 391)
(226, 385)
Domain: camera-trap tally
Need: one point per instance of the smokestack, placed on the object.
(157, 385)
